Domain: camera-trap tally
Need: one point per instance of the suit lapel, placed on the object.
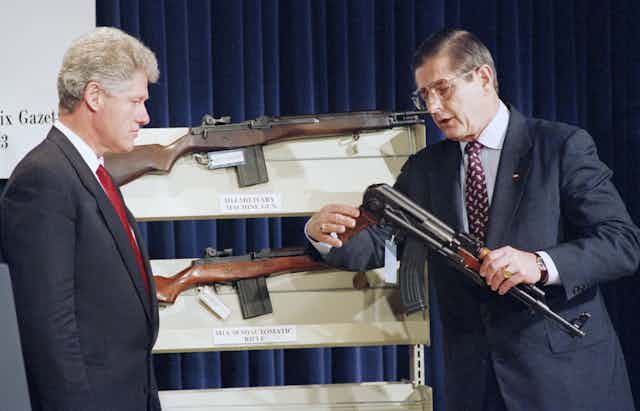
(513, 171)
(444, 183)
(149, 273)
(109, 214)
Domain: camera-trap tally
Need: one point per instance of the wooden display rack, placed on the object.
(309, 309)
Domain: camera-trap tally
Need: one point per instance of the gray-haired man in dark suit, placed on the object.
(537, 194)
(84, 294)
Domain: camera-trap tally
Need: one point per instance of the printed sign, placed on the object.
(257, 203)
(254, 335)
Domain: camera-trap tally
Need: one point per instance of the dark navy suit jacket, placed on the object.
(87, 322)
(562, 202)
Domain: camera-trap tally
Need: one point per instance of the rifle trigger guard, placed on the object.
(201, 158)
(351, 144)
(347, 141)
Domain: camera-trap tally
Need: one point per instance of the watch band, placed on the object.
(542, 267)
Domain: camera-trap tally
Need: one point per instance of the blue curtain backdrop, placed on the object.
(576, 61)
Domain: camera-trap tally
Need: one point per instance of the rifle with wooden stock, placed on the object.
(239, 145)
(246, 272)
(383, 204)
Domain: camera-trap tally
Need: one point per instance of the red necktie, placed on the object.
(112, 193)
(476, 195)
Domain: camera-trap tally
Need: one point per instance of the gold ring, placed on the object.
(507, 274)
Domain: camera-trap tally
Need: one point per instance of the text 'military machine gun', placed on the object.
(382, 203)
(239, 145)
(246, 272)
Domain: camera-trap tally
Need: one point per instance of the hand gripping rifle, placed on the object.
(218, 143)
(246, 272)
(381, 203)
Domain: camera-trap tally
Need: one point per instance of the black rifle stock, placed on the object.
(246, 272)
(219, 134)
(382, 203)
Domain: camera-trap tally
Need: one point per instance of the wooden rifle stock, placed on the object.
(168, 288)
(470, 260)
(144, 159)
(218, 134)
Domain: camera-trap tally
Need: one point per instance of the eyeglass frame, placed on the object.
(421, 102)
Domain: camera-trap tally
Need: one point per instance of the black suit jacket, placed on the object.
(562, 202)
(87, 322)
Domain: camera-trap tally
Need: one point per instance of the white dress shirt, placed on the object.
(86, 152)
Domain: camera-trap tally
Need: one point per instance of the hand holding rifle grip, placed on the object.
(364, 220)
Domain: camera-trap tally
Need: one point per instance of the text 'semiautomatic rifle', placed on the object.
(382, 203)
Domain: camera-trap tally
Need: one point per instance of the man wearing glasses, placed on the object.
(535, 193)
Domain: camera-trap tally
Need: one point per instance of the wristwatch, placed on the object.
(542, 267)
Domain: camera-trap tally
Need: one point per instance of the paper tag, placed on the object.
(390, 261)
(258, 203)
(254, 335)
(225, 158)
(209, 297)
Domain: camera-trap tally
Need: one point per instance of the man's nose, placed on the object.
(143, 117)
(433, 102)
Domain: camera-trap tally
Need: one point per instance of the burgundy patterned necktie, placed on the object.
(112, 193)
(476, 195)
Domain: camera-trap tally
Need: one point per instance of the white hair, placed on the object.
(107, 56)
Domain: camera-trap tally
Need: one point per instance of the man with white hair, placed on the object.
(84, 294)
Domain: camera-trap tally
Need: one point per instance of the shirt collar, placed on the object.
(494, 133)
(86, 152)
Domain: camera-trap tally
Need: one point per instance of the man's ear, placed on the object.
(93, 96)
(486, 75)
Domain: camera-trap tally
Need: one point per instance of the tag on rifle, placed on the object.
(390, 261)
(209, 297)
(225, 158)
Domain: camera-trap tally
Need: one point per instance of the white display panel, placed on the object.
(35, 36)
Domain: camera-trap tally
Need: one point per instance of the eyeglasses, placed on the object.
(442, 89)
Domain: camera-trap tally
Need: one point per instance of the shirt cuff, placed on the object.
(554, 276)
(323, 248)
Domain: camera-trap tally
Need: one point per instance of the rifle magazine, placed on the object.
(254, 171)
(411, 276)
(254, 297)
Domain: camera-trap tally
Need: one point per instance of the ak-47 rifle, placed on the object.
(244, 142)
(381, 203)
(246, 272)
